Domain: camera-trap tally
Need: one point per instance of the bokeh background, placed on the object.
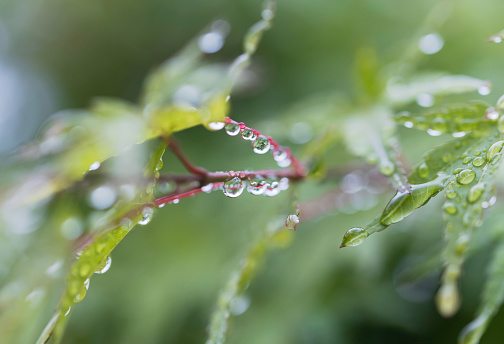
(165, 277)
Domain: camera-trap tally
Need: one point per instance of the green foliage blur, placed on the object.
(165, 277)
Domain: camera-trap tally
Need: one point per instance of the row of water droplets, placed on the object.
(260, 143)
(259, 185)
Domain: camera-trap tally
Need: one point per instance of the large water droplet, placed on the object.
(354, 237)
(292, 221)
(466, 176)
(478, 161)
(232, 129)
(248, 134)
(104, 266)
(257, 186)
(494, 149)
(146, 216)
(261, 145)
(272, 189)
(403, 203)
(216, 125)
(233, 188)
(447, 300)
(476, 192)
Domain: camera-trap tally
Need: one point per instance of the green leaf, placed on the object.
(453, 118)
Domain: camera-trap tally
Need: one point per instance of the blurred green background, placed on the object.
(165, 277)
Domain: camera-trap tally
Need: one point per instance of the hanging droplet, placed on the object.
(146, 216)
(494, 149)
(450, 208)
(257, 186)
(404, 203)
(216, 125)
(284, 163)
(232, 129)
(248, 134)
(233, 187)
(447, 300)
(207, 188)
(261, 145)
(104, 266)
(279, 154)
(292, 221)
(354, 237)
(423, 170)
(272, 189)
(478, 161)
(466, 176)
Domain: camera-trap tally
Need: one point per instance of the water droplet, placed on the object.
(354, 237)
(461, 246)
(261, 145)
(211, 42)
(248, 134)
(239, 305)
(458, 170)
(425, 100)
(484, 90)
(146, 216)
(94, 166)
(492, 201)
(272, 189)
(451, 194)
(279, 154)
(459, 134)
(492, 114)
(284, 163)
(104, 266)
(477, 152)
(431, 43)
(403, 203)
(423, 170)
(447, 157)
(493, 150)
(207, 188)
(466, 160)
(84, 270)
(496, 39)
(126, 223)
(387, 168)
(476, 192)
(433, 132)
(175, 201)
(450, 208)
(102, 197)
(496, 158)
(447, 300)
(232, 129)
(408, 124)
(233, 188)
(216, 125)
(466, 176)
(283, 184)
(478, 161)
(257, 186)
(292, 221)
(80, 296)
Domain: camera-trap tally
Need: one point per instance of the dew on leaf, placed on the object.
(450, 208)
(216, 125)
(354, 237)
(126, 223)
(147, 213)
(494, 149)
(104, 266)
(458, 170)
(451, 194)
(261, 145)
(466, 160)
(466, 176)
(496, 158)
(233, 187)
(477, 152)
(459, 134)
(432, 132)
(423, 170)
(439, 124)
(478, 161)
(475, 192)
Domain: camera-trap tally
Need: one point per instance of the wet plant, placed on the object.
(84, 157)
